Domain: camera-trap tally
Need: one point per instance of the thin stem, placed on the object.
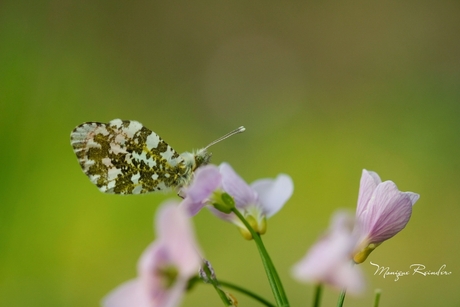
(258, 240)
(344, 291)
(222, 295)
(247, 292)
(210, 278)
(341, 298)
(378, 292)
(317, 298)
(272, 275)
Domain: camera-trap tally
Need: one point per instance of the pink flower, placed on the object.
(382, 212)
(329, 260)
(165, 267)
(207, 179)
(258, 201)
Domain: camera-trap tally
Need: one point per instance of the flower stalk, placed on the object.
(247, 292)
(209, 277)
(378, 292)
(272, 275)
(341, 298)
(317, 297)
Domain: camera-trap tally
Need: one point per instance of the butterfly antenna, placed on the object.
(236, 131)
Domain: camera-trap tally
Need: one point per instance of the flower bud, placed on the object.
(222, 201)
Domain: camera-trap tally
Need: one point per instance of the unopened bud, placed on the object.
(206, 272)
(223, 202)
(232, 299)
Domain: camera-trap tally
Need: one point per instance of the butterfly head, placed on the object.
(202, 156)
(196, 159)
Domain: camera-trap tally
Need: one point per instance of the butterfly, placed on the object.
(124, 157)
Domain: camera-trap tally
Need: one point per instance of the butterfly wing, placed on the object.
(124, 157)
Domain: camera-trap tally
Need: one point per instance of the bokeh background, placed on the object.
(324, 88)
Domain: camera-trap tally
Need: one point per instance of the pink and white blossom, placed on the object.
(165, 267)
(382, 212)
(329, 260)
(207, 180)
(257, 202)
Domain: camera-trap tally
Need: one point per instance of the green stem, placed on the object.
(222, 296)
(377, 297)
(277, 280)
(211, 279)
(247, 292)
(344, 291)
(272, 275)
(341, 298)
(317, 299)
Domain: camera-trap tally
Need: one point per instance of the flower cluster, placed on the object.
(257, 202)
(382, 212)
(169, 264)
(165, 267)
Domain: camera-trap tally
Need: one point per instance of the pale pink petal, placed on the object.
(192, 207)
(175, 294)
(237, 187)
(207, 179)
(330, 250)
(149, 259)
(129, 294)
(151, 282)
(369, 182)
(229, 217)
(322, 259)
(329, 260)
(176, 233)
(413, 197)
(349, 277)
(175, 248)
(388, 212)
(273, 194)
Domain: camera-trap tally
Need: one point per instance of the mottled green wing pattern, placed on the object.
(124, 157)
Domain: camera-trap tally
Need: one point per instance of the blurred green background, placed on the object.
(324, 89)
